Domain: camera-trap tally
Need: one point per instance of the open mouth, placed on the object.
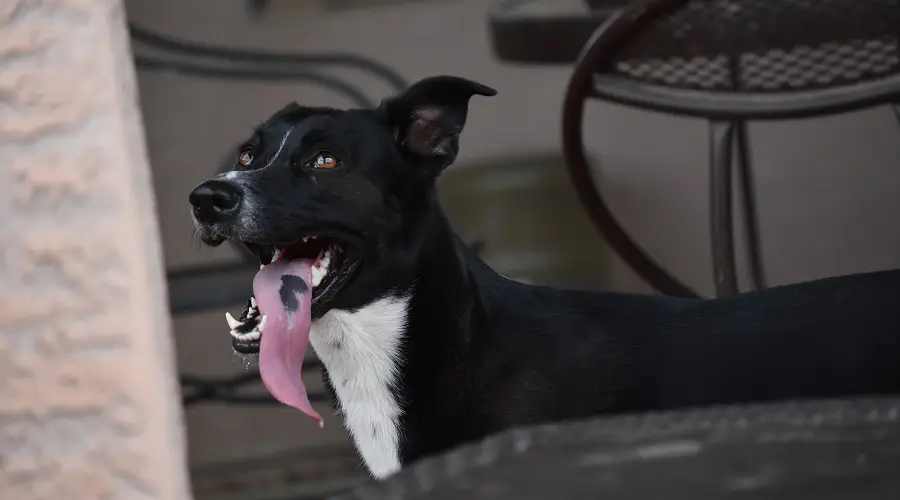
(330, 268)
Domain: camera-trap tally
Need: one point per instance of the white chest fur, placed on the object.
(361, 352)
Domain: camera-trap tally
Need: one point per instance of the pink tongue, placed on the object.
(283, 293)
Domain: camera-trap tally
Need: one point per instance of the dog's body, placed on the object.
(425, 347)
(475, 353)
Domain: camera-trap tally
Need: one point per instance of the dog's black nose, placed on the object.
(214, 199)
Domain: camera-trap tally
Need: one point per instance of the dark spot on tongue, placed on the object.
(291, 287)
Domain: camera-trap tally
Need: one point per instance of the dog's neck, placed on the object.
(445, 289)
(432, 266)
(368, 352)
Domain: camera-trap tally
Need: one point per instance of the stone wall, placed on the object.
(89, 406)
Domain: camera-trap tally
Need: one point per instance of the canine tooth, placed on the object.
(305, 239)
(252, 312)
(317, 276)
(262, 266)
(253, 302)
(232, 323)
(275, 254)
(262, 324)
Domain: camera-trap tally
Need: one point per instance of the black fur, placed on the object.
(483, 353)
(291, 287)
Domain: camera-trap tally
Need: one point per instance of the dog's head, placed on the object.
(337, 187)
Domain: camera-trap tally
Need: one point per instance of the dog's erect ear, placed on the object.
(428, 117)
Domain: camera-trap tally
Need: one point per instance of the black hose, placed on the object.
(198, 70)
(203, 50)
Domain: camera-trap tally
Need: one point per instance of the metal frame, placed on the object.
(260, 58)
(746, 105)
(727, 114)
(602, 45)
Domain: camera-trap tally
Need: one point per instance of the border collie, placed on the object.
(425, 347)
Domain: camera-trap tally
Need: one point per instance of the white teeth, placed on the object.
(254, 334)
(251, 335)
(317, 275)
(319, 271)
(252, 301)
(321, 268)
(232, 323)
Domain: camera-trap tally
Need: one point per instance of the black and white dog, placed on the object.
(426, 347)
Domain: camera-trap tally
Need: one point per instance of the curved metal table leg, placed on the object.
(721, 135)
(751, 215)
(579, 89)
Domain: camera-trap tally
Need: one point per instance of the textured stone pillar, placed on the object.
(88, 400)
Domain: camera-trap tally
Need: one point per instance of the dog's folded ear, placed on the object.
(428, 117)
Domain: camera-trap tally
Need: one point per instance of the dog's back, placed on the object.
(607, 352)
(826, 338)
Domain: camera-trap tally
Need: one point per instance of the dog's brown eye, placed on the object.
(245, 158)
(324, 160)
